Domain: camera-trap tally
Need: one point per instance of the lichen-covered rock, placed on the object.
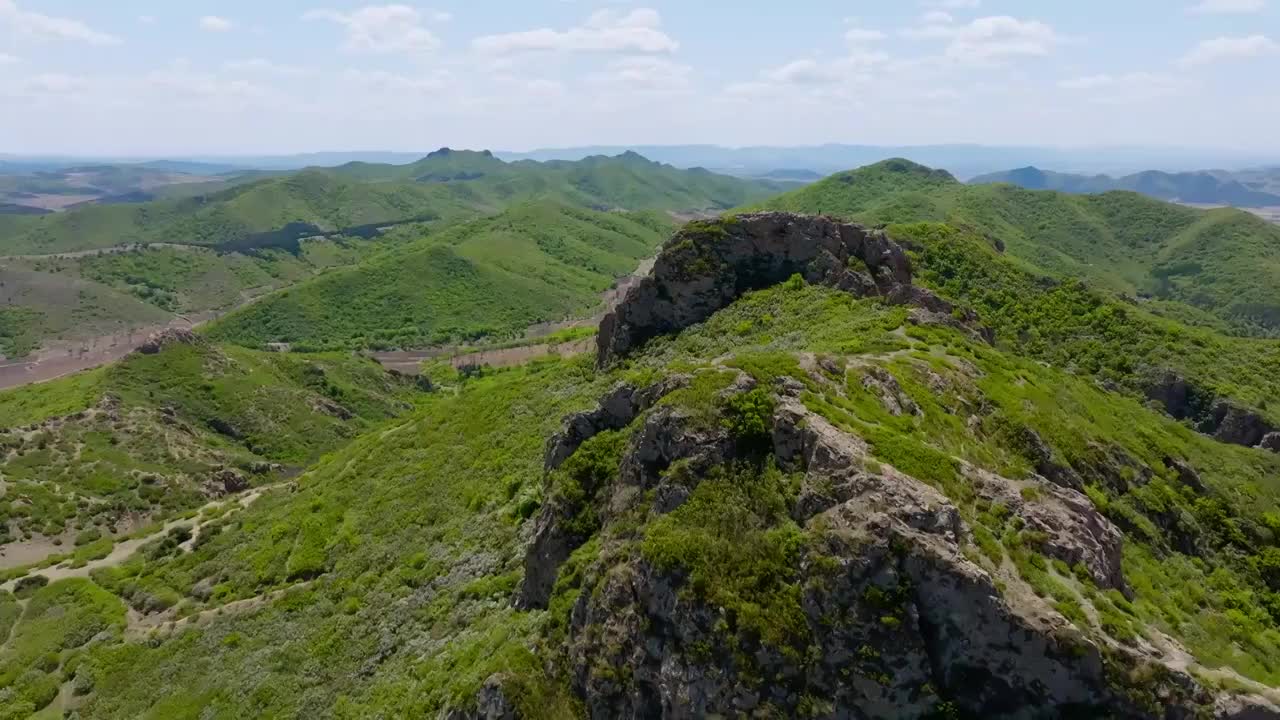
(1220, 418)
(171, 336)
(897, 620)
(709, 264)
(616, 411)
(1271, 442)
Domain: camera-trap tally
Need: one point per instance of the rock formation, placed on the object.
(1217, 417)
(901, 622)
(164, 338)
(709, 264)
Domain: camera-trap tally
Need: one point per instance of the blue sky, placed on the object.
(275, 76)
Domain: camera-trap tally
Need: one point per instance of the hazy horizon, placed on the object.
(240, 78)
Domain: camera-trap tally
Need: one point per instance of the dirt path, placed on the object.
(122, 551)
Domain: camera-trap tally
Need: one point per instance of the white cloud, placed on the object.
(383, 28)
(1229, 48)
(937, 17)
(956, 4)
(54, 84)
(40, 26)
(1227, 7)
(378, 81)
(6, 59)
(651, 74)
(147, 19)
(260, 66)
(605, 31)
(813, 72)
(1125, 88)
(213, 23)
(987, 39)
(862, 35)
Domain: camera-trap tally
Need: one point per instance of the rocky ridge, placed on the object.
(708, 264)
(900, 621)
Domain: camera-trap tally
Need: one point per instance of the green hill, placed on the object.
(37, 307)
(446, 186)
(534, 263)
(158, 434)
(1205, 187)
(1223, 262)
(383, 585)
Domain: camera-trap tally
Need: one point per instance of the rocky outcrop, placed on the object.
(164, 338)
(709, 264)
(553, 538)
(899, 621)
(616, 411)
(1218, 417)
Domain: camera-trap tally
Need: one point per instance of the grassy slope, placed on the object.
(35, 307)
(181, 414)
(407, 608)
(533, 263)
(449, 187)
(1225, 262)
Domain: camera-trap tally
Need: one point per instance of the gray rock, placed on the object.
(164, 338)
(1271, 442)
(708, 265)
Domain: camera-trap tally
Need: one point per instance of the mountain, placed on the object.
(1205, 188)
(1221, 263)
(445, 186)
(960, 159)
(533, 263)
(816, 469)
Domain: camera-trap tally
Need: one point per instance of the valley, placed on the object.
(515, 460)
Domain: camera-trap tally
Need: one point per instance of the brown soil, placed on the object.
(64, 359)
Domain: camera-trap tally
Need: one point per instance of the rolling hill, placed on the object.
(795, 498)
(1224, 263)
(533, 263)
(446, 186)
(1248, 189)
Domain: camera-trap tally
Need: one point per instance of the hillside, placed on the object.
(1225, 263)
(446, 186)
(533, 263)
(806, 485)
(105, 453)
(1248, 189)
(36, 308)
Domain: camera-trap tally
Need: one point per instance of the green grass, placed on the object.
(534, 263)
(1225, 263)
(37, 307)
(177, 418)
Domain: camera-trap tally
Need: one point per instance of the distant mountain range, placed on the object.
(962, 160)
(1249, 188)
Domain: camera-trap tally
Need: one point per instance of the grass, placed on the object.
(177, 418)
(36, 307)
(1223, 263)
(534, 263)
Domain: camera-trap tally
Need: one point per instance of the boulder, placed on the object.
(171, 336)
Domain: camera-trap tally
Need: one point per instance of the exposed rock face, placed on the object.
(1271, 442)
(1218, 417)
(900, 622)
(552, 542)
(616, 411)
(172, 336)
(708, 265)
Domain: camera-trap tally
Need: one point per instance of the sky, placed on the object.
(158, 77)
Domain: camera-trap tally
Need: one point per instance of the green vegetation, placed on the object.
(155, 435)
(445, 187)
(534, 263)
(35, 307)
(1225, 263)
(381, 582)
